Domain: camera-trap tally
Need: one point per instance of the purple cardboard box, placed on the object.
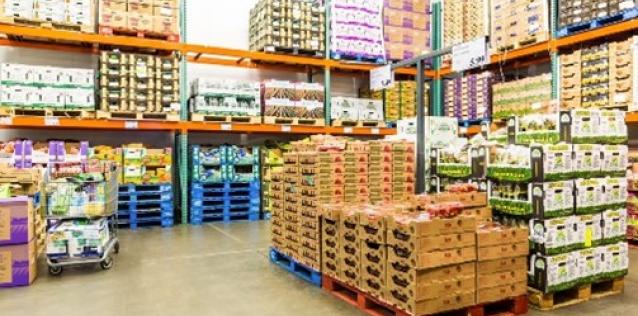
(18, 264)
(16, 221)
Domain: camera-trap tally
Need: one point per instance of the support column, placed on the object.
(420, 128)
(327, 78)
(436, 90)
(182, 138)
(182, 155)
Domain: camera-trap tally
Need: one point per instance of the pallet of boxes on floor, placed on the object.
(225, 183)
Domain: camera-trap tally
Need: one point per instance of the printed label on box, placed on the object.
(6, 270)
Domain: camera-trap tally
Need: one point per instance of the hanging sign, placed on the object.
(381, 78)
(470, 55)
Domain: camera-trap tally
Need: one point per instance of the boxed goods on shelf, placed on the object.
(224, 98)
(288, 100)
(515, 163)
(464, 21)
(522, 97)
(148, 18)
(459, 160)
(599, 76)
(468, 98)
(406, 28)
(132, 84)
(357, 30)
(576, 16)
(516, 24)
(552, 199)
(296, 26)
(57, 14)
(400, 100)
(143, 165)
(40, 87)
(356, 110)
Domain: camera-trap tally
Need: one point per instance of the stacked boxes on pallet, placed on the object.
(48, 88)
(600, 76)
(400, 100)
(136, 83)
(355, 110)
(60, 13)
(289, 102)
(518, 23)
(380, 171)
(273, 164)
(146, 189)
(576, 12)
(578, 223)
(160, 17)
(18, 242)
(357, 30)
(406, 28)
(356, 168)
(468, 98)
(522, 97)
(225, 183)
(296, 26)
(216, 97)
(464, 20)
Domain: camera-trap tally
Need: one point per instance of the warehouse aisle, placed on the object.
(214, 269)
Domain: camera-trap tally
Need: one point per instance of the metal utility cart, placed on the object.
(81, 195)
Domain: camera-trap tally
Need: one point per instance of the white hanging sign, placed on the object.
(470, 55)
(381, 78)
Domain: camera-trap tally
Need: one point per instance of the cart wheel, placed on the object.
(116, 248)
(55, 271)
(107, 263)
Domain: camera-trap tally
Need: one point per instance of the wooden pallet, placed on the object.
(138, 116)
(47, 24)
(529, 40)
(351, 123)
(291, 51)
(107, 30)
(14, 111)
(575, 295)
(197, 117)
(294, 121)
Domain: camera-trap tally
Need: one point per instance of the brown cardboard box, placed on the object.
(373, 253)
(501, 236)
(109, 5)
(500, 265)
(440, 304)
(140, 8)
(166, 3)
(433, 227)
(349, 275)
(165, 25)
(113, 19)
(434, 243)
(147, 2)
(426, 260)
(12, 261)
(430, 288)
(499, 293)
(483, 214)
(485, 281)
(140, 22)
(167, 12)
(503, 251)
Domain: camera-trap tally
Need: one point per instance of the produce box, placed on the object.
(541, 200)
(534, 163)
(16, 220)
(18, 264)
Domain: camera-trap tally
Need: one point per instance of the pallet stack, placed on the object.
(225, 183)
(356, 188)
(400, 100)
(18, 242)
(77, 15)
(469, 98)
(137, 86)
(286, 102)
(272, 165)
(599, 77)
(295, 26)
(141, 18)
(522, 97)
(516, 24)
(576, 16)
(216, 100)
(406, 28)
(47, 91)
(464, 21)
(356, 30)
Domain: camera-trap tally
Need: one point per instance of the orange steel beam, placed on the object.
(612, 29)
(48, 46)
(88, 124)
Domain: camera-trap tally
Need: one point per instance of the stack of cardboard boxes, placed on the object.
(380, 171)
(57, 12)
(356, 173)
(403, 170)
(406, 28)
(469, 97)
(374, 251)
(502, 263)
(350, 247)
(139, 83)
(277, 211)
(18, 242)
(579, 11)
(463, 21)
(291, 199)
(330, 239)
(522, 97)
(518, 23)
(312, 183)
(141, 165)
(599, 76)
(144, 16)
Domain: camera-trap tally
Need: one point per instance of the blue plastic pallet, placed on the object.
(468, 123)
(199, 218)
(301, 271)
(157, 197)
(140, 189)
(599, 22)
(357, 57)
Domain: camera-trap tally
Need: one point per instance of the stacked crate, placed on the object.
(139, 84)
(356, 173)
(522, 97)
(518, 23)
(143, 18)
(290, 26)
(57, 14)
(431, 262)
(350, 247)
(310, 223)
(277, 211)
(380, 171)
(599, 76)
(330, 241)
(292, 200)
(577, 12)
(406, 28)
(463, 21)
(403, 170)
(468, 98)
(374, 249)
(18, 242)
(502, 263)
(225, 183)
(272, 164)
(453, 22)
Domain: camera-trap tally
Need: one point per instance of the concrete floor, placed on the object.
(215, 269)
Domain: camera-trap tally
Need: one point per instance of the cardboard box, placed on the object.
(501, 236)
(141, 8)
(140, 22)
(167, 12)
(435, 243)
(113, 19)
(16, 221)
(407, 229)
(503, 251)
(109, 5)
(18, 264)
(499, 293)
(485, 280)
(500, 265)
(426, 260)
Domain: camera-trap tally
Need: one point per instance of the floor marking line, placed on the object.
(226, 234)
(200, 256)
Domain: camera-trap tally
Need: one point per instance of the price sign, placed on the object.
(381, 78)
(347, 130)
(375, 131)
(226, 127)
(6, 120)
(286, 128)
(130, 124)
(51, 121)
(470, 55)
